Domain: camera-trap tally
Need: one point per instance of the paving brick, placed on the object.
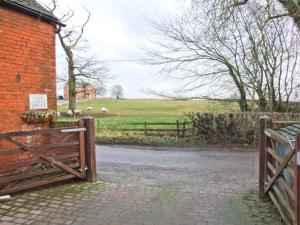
(6, 223)
(105, 203)
(209, 194)
(7, 218)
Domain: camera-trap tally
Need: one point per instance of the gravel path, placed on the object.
(194, 170)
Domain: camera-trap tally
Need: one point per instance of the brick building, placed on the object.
(27, 61)
(83, 91)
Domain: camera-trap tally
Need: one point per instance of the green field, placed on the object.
(122, 112)
(128, 111)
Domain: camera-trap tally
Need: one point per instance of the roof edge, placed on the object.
(31, 12)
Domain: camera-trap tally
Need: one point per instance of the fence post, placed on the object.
(183, 132)
(90, 148)
(193, 129)
(297, 183)
(98, 126)
(177, 125)
(146, 129)
(264, 123)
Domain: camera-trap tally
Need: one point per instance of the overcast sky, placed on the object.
(117, 31)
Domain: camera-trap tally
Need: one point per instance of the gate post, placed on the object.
(90, 148)
(264, 123)
(297, 182)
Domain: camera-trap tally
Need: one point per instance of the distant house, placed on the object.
(84, 91)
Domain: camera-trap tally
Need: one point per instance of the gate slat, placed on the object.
(30, 162)
(40, 147)
(287, 188)
(37, 184)
(280, 169)
(62, 166)
(23, 176)
(275, 155)
(271, 167)
(34, 132)
(284, 202)
(279, 208)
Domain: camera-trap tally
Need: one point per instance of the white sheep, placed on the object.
(104, 110)
(77, 112)
(89, 108)
(70, 112)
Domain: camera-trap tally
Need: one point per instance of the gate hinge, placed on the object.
(86, 168)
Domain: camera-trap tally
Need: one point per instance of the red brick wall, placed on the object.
(87, 92)
(27, 66)
(90, 92)
(66, 92)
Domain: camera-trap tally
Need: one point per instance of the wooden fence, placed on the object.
(179, 129)
(279, 167)
(30, 159)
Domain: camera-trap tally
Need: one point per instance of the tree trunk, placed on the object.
(273, 95)
(72, 93)
(72, 85)
(244, 107)
(243, 102)
(263, 102)
(273, 104)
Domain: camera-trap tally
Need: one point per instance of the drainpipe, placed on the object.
(58, 28)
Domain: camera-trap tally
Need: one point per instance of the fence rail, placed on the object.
(180, 129)
(279, 176)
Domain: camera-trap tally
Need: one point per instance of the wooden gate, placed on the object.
(30, 159)
(279, 176)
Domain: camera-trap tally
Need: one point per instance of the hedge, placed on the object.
(234, 128)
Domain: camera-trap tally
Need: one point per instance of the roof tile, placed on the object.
(33, 5)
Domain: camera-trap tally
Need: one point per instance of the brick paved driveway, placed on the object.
(152, 186)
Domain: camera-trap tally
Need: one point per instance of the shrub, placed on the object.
(234, 128)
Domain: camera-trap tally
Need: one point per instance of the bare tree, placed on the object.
(269, 55)
(195, 48)
(81, 68)
(117, 92)
(258, 60)
(101, 90)
(291, 8)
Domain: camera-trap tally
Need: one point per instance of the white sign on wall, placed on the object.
(38, 101)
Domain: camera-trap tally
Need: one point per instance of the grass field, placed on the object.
(128, 111)
(122, 112)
